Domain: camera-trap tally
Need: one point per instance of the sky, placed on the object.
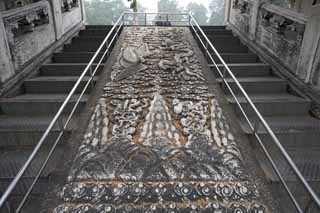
(151, 5)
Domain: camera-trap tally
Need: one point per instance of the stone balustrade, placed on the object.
(290, 36)
(26, 32)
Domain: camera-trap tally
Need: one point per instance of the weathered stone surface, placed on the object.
(6, 66)
(281, 36)
(241, 14)
(71, 19)
(29, 31)
(158, 140)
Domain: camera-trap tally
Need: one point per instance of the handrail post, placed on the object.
(256, 125)
(107, 48)
(145, 19)
(207, 49)
(91, 79)
(61, 124)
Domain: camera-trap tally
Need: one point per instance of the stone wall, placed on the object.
(281, 35)
(26, 32)
(286, 31)
(241, 14)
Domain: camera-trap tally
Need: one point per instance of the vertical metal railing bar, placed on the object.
(23, 169)
(265, 124)
(296, 204)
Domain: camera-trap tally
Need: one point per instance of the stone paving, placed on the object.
(158, 140)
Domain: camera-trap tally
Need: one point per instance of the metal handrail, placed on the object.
(167, 17)
(207, 44)
(261, 120)
(57, 118)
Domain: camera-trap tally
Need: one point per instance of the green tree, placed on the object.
(216, 8)
(199, 11)
(104, 12)
(170, 6)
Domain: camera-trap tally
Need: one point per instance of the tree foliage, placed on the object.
(104, 12)
(170, 6)
(107, 11)
(199, 11)
(216, 8)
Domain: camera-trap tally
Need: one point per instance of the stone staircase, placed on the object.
(25, 116)
(284, 108)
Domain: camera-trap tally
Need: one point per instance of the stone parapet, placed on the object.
(29, 31)
(289, 37)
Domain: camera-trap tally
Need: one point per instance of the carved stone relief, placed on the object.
(26, 21)
(12, 4)
(158, 140)
(281, 36)
(67, 5)
(242, 12)
(29, 30)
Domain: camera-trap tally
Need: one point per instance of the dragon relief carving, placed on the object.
(157, 139)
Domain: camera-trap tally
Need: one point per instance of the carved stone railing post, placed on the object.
(29, 30)
(228, 5)
(307, 65)
(57, 17)
(254, 18)
(6, 66)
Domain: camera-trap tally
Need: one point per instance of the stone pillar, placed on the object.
(254, 18)
(57, 17)
(83, 11)
(311, 42)
(228, 5)
(6, 66)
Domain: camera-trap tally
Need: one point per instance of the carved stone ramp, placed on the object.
(158, 139)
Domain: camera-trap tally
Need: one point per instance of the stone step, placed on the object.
(39, 104)
(236, 58)
(25, 131)
(223, 39)
(75, 57)
(12, 161)
(273, 104)
(300, 195)
(88, 39)
(66, 69)
(307, 160)
(218, 27)
(56, 84)
(256, 85)
(232, 40)
(308, 163)
(229, 48)
(98, 27)
(292, 131)
(93, 32)
(86, 44)
(245, 70)
(213, 32)
(83, 47)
